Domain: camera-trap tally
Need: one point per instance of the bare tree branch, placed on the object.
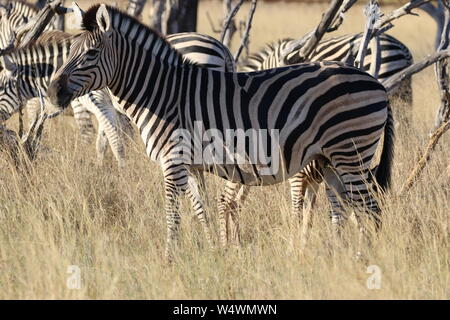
(229, 27)
(37, 25)
(330, 22)
(375, 64)
(319, 31)
(339, 18)
(418, 169)
(211, 23)
(248, 25)
(392, 84)
(400, 12)
(443, 80)
(438, 15)
(441, 70)
(372, 13)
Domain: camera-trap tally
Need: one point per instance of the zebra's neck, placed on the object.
(148, 89)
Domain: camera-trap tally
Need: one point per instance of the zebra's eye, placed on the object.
(92, 52)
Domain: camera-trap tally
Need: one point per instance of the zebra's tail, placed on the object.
(384, 169)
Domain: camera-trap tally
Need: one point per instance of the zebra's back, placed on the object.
(204, 50)
(395, 56)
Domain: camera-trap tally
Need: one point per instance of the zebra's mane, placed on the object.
(118, 17)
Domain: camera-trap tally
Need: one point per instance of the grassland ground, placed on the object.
(69, 210)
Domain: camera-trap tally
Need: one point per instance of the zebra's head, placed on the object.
(91, 63)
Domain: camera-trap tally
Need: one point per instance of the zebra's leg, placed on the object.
(193, 194)
(336, 194)
(83, 120)
(101, 144)
(175, 183)
(200, 177)
(234, 231)
(227, 206)
(352, 189)
(298, 185)
(126, 126)
(308, 205)
(99, 103)
(33, 109)
(366, 205)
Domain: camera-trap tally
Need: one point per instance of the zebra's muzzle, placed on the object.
(58, 92)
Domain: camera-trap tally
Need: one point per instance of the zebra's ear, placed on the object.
(8, 64)
(78, 14)
(103, 18)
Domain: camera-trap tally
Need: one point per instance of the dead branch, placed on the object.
(42, 19)
(248, 25)
(400, 12)
(375, 63)
(441, 70)
(418, 169)
(319, 31)
(392, 84)
(372, 13)
(330, 22)
(211, 23)
(443, 80)
(339, 18)
(438, 14)
(229, 27)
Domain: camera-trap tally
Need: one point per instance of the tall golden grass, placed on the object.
(69, 210)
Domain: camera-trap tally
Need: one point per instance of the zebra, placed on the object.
(204, 50)
(26, 74)
(99, 104)
(325, 111)
(395, 56)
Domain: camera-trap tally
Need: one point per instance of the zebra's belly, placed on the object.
(248, 174)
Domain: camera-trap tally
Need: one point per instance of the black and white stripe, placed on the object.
(16, 14)
(204, 50)
(323, 111)
(395, 56)
(26, 74)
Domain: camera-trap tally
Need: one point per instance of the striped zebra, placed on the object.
(315, 111)
(99, 104)
(395, 56)
(26, 74)
(204, 50)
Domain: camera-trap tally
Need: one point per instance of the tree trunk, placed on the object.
(174, 16)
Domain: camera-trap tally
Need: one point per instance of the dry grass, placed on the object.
(110, 223)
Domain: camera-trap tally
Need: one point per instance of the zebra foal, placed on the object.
(316, 111)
